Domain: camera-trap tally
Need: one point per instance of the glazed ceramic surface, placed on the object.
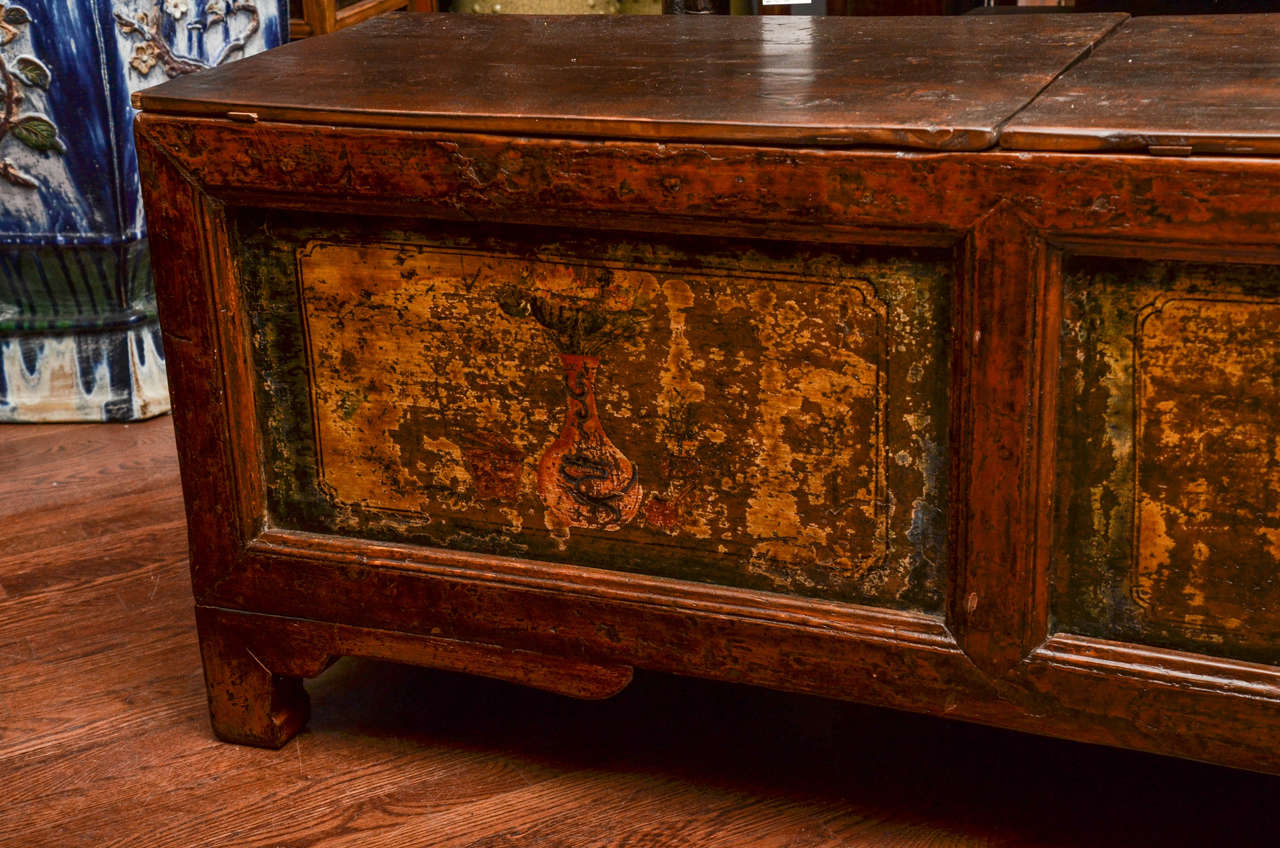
(78, 335)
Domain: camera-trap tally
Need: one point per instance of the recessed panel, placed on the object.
(753, 415)
(1169, 456)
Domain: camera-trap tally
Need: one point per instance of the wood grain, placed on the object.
(805, 80)
(104, 737)
(998, 601)
(876, 195)
(1204, 84)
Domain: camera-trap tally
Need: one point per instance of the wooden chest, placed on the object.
(833, 355)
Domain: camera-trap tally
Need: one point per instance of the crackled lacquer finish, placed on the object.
(747, 414)
(1170, 456)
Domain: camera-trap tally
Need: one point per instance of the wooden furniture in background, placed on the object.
(833, 7)
(696, 7)
(321, 16)
(898, 7)
(712, 347)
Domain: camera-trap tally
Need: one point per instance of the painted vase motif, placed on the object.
(583, 479)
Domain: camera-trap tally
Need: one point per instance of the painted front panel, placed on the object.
(1169, 456)
(754, 415)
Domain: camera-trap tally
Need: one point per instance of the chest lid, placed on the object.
(944, 83)
(1167, 85)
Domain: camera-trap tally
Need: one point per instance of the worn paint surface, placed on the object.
(749, 415)
(1169, 457)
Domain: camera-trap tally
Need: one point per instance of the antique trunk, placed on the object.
(547, 349)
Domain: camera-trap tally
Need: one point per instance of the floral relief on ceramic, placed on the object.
(79, 338)
(19, 74)
(223, 32)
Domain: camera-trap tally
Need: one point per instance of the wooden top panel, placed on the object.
(935, 83)
(1208, 83)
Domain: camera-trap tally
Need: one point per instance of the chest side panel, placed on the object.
(749, 414)
(1169, 450)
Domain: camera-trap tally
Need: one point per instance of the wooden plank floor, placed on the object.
(104, 741)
